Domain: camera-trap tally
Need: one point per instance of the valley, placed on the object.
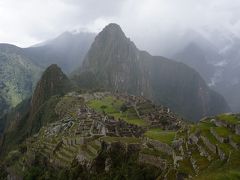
(112, 112)
(92, 128)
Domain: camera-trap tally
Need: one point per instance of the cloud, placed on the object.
(155, 25)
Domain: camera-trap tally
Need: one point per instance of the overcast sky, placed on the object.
(147, 22)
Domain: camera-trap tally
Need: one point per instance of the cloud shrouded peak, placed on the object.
(155, 25)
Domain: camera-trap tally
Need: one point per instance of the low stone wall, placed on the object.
(160, 146)
(194, 165)
(202, 151)
(214, 148)
(176, 159)
(219, 138)
(220, 153)
(219, 123)
(177, 144)
(76, 140)
(209, 145)
(153, 160)
(233, 144)
(193, 139)
(237, 129)
(92, 149)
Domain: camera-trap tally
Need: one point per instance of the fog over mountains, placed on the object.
(216, 58)
(123, 89)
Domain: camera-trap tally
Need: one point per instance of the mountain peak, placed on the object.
(113, 27)
(111, 47)
(53, 67)
(112, 31)
(52, 82)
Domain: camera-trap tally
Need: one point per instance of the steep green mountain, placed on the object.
(20, 68)
(67, 50)
(103, 135)
(33, 113)
(114, 62)
(18, 76)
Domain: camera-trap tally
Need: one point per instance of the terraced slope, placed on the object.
(95, 138)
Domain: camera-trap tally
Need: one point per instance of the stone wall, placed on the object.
(209, 145)
(219, 123)
(233, 144)
(219, 138)
(193, 139)
(220, 153)
(76, 140)
(237, 129)
(160, 146)
(176, 159)
(153, 160)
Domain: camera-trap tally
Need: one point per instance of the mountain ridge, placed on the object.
(115, 63)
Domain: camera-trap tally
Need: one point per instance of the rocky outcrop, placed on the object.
(114, 63)
(234, 144)
(159, 146)
(237, 129)
(219, 138)
(209, 145)
(219, 123)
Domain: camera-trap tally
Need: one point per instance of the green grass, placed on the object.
(161, 135)
(155, 152)
(202, 162)
(185, 166)
(205, 131)
(235, 138)
(205, 125)
(193, 128)
(145, 108)
(225, 147)
(111, 106)
(128, 140)
(229, 118)
(220, 170)
(222, 131)
(221, 175)
(108, 104)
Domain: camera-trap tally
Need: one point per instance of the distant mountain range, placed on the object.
(114, 62)
(67, 50)
(32, 113)
(21, 68)
(117, 113)
(218, 62)
(18, 74)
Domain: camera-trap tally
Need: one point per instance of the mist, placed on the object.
(158, 26)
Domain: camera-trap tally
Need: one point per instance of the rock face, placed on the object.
(18, 76)
(33, 113)
(53, 82)
(114, 62)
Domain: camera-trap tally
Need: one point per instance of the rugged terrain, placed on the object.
(119, 117)
(18, 76)
(103, 135)
(21, 68)
(218, 63)
(114, 63)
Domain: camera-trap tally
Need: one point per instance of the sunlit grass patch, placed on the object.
(161, 135)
